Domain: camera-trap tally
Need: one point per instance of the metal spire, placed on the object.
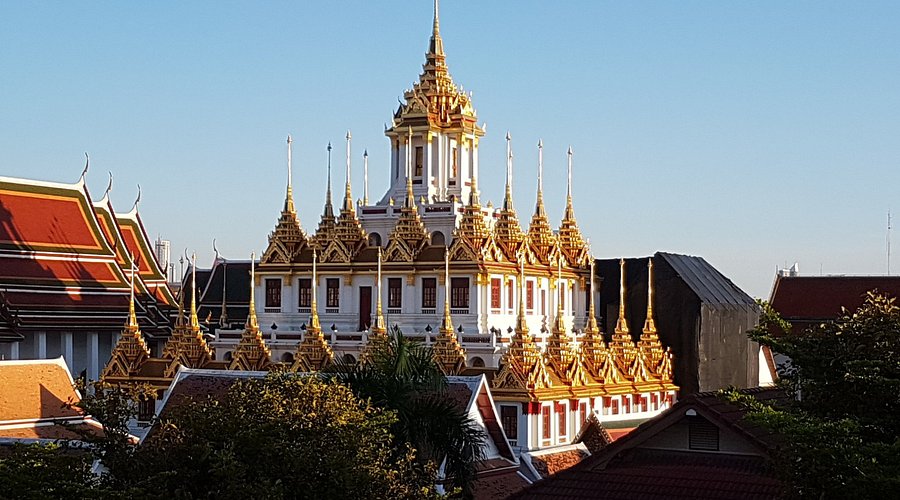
(348, 197)
(132, 324)
(622, 324)
(378, 324)
(366, 177)
(570, 212)
(447, 322)
(329, 208)
(507, 199)
(410, 199)
(289, 195)
(539, 205)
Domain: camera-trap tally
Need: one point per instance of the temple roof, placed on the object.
(61, 263)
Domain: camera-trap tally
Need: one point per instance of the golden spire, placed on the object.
(507, 232)
(348, 197)
(131, 325)
(649, 345)
(622, 344)
(539, 204)
(621, 323)
(329, 208)
(449, 355)
(313, 353)
(131, 351)
(521, 324)
(507, 197)
(378, 327)
(592, 318)
(289, 197)
(251, 353)
(447, 322)
(252, 323)
(571, 241)
(194, 320)
(560, 324)
(223, 317)
(192, 351)
(649, 325)
(170, 349)
(314, 326)
(437, 45)
(540, 235)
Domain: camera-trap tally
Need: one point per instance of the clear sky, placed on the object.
(754, 134)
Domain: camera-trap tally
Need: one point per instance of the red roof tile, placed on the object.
(820, 298)
(498, 485)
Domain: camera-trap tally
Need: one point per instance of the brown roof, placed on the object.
(37, 389)
(500, 484)
(551, 463)
(52, 431)
(815, 299)
(625, 470)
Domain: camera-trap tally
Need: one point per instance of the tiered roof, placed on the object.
(541, 239)
(508, 234)
(62, 260)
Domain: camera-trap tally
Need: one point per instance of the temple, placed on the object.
(64, 262)
(492, 298)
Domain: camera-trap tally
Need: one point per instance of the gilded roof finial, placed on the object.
(252, 323)
(507, 199)
(622, 324)
(378, 324)
(570, 211)
(437, 45)
(329, 209)
(314, 325)
(649, 324)
(289, 196)
(131, 325)
(539, 206)
(592, 318)
(366, 177)
(195, 321)
(348, 197)
(223, 317)
(521, 324)
(447, 322)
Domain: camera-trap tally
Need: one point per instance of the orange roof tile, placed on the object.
(36, 389)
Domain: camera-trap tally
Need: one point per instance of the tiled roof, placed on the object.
(500, 484)
(815, 299)
(626, 470)
(36, 389)
(52, 431)
(551, 463)
(652, 474)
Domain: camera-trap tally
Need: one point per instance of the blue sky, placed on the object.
(754, 134)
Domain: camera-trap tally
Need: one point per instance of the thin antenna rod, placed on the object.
(889, 242)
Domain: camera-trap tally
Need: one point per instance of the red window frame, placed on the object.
(495, 293)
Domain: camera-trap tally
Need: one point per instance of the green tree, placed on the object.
(38, 471)
(280, 437)
(401, 375)
(839, 433)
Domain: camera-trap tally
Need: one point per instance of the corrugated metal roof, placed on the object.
(711, 286)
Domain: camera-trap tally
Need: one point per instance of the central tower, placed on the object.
(434, 134)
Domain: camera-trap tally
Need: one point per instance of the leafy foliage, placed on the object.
(45, 471)
(402, 376)
(840, 436)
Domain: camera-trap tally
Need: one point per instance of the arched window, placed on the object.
(477, 362)
(437, 238)
(349, 359)
(374, 240)
(287, 357)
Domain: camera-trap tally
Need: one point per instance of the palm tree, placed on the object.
(402, 375)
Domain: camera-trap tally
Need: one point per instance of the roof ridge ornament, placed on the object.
(87, 166)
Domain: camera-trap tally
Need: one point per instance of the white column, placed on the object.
(14, 350)
(40, 345)
(93, 355)
(67, 349)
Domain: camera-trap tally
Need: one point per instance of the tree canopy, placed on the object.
(401, 375)
(839, 436)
